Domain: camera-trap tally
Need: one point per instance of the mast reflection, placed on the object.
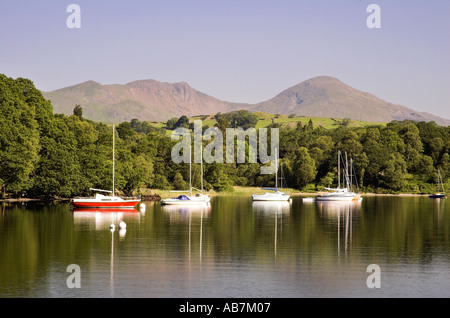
(179, 213)
(344, 213)
(276, 208)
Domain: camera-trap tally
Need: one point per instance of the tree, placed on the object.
(239, 118)
(390, 139)
(436, 148)
(58, 171)
(222, 124)
(309, 126)
(413, 146)
(304, 167)
(444, 165)
(350, 144)
(78, 111)
(377, 154)
(328, 179)
(183, 122)
(218, 179)
(179, 183)
(393, 175)
(346, 122)
(170, 124)
(125, 131)
(22, 109)
(425, 168)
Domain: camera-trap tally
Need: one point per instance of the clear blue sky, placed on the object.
(236, 50)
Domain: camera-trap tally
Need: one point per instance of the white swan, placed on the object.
(122, 225)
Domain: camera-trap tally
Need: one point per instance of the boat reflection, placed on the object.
(329, 209)
(176, 211)
(267, 207)
(344, 213)
(278, 209)
(178, 214)
(103, 218)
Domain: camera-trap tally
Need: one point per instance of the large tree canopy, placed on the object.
(46, 154)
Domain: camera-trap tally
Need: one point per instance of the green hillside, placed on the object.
(266, 119)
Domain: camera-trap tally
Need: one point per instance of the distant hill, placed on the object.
(326, 96)
(145, 100)
(151, 100)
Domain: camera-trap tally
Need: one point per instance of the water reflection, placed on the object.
(103, 218)
(178, 211)
(235, 249)
(439, 206)
(179, 214)
(278, 209)
(111, 279)
(267, 207)
(344, 213)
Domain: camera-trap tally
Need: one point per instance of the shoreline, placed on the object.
(240, 191)
(26, 200)
(371, 194)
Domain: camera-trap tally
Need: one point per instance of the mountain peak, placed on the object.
(323, 78)
(321, 96)
(89, 83)
(326, 96)
(142, 99)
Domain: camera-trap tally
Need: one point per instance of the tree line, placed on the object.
(43, 154)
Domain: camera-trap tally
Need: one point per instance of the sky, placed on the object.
(236, 50)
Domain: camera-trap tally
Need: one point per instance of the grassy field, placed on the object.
(328, 123)
(246, 191)
(266, 119)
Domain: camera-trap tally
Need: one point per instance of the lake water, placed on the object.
(233, 248)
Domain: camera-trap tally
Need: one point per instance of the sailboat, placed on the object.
(341, 194)
(438, 195)
(272, 196)
(191, 199)
(106, 201)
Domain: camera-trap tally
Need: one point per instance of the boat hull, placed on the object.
(197, 199)
(338, 197)
(105, 210)
(184, 202)
(88, 203)
(437, 196)
(270, 197)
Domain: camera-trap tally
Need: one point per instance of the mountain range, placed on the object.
(152, 100)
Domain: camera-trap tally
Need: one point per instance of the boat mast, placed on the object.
(113, 159)
(281, 175)
(440, 182)
(346, 171)
(339, 169)
(351, 174)
(276, 170)
(356, 179)
(190, 168)
(201, 166)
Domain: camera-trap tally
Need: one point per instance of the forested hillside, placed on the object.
(53, 155)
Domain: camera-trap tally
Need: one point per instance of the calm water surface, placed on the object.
(234, 248)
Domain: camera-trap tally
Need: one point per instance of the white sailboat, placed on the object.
(341, 194)
(272, 196)
(191, 199)
(439, 195)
